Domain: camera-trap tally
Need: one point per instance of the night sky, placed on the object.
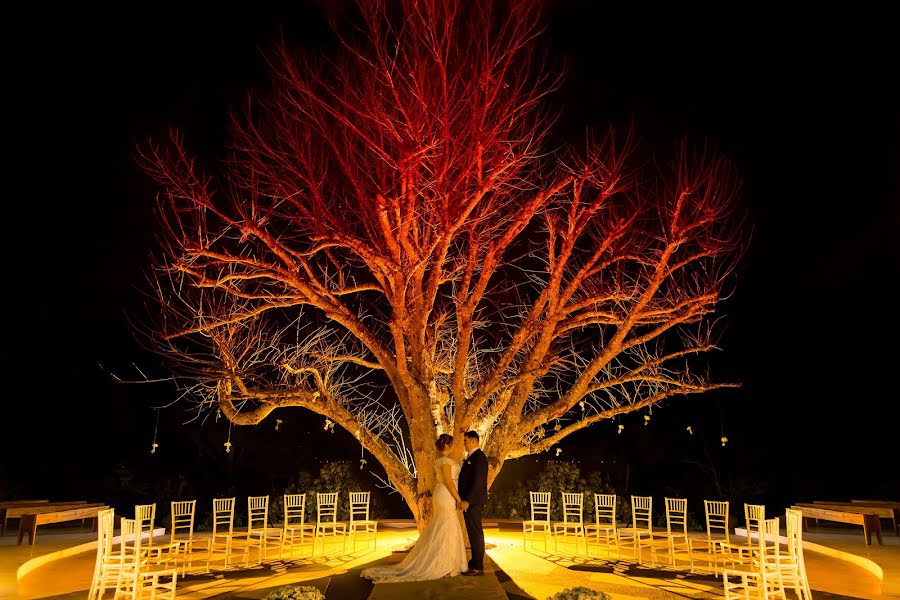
(800, 95)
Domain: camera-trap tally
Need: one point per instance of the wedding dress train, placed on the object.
(440, 550)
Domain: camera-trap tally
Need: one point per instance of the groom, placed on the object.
(473, 494)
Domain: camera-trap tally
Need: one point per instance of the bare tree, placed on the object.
(390, 244)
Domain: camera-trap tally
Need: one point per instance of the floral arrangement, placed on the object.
(579, 593)
(296, 592)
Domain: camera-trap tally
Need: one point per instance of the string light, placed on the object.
(154, 446)
(722, 427)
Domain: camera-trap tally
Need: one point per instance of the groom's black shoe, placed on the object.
(472, 572)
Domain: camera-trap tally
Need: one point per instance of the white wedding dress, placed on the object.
(440, 550)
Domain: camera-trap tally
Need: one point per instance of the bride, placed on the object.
(440, 550)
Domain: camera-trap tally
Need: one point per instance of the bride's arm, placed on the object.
(447, 477)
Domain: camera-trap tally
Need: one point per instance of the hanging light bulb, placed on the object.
(621, 427)
(724, 440)
(154, 446)
(689, 430)
(362, 463)
(329, 425)
(646, 419)
(278, 423)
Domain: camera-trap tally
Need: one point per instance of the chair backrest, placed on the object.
(294, 509)
(641, 512)
(540, 506)
(717, 519)
(183, 512)
(223, 515)
(573, 507)
(605, 509)
(130, 544)
(106, 520)
(359, 506)
(145, 515)
(769, 546)
(257, 512)
(326, 507)
(754, 519)
(794, 522)
(676, 515)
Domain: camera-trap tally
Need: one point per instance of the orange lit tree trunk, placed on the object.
(391, 246)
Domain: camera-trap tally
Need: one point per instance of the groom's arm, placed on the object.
(479, 486)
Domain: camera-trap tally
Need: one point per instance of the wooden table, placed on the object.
(869, 521)
(16, 508)
(31, 520)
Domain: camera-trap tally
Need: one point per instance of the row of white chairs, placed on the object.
(137, 558)
(741, 561)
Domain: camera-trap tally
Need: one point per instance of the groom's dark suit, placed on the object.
(473, 489)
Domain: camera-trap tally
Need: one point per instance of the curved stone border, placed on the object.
(39, 561)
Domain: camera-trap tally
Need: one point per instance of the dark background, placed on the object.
(800, 95)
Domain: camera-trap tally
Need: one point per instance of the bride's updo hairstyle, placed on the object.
(444, 441)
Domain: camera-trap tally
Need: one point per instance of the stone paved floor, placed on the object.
(512, 573)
